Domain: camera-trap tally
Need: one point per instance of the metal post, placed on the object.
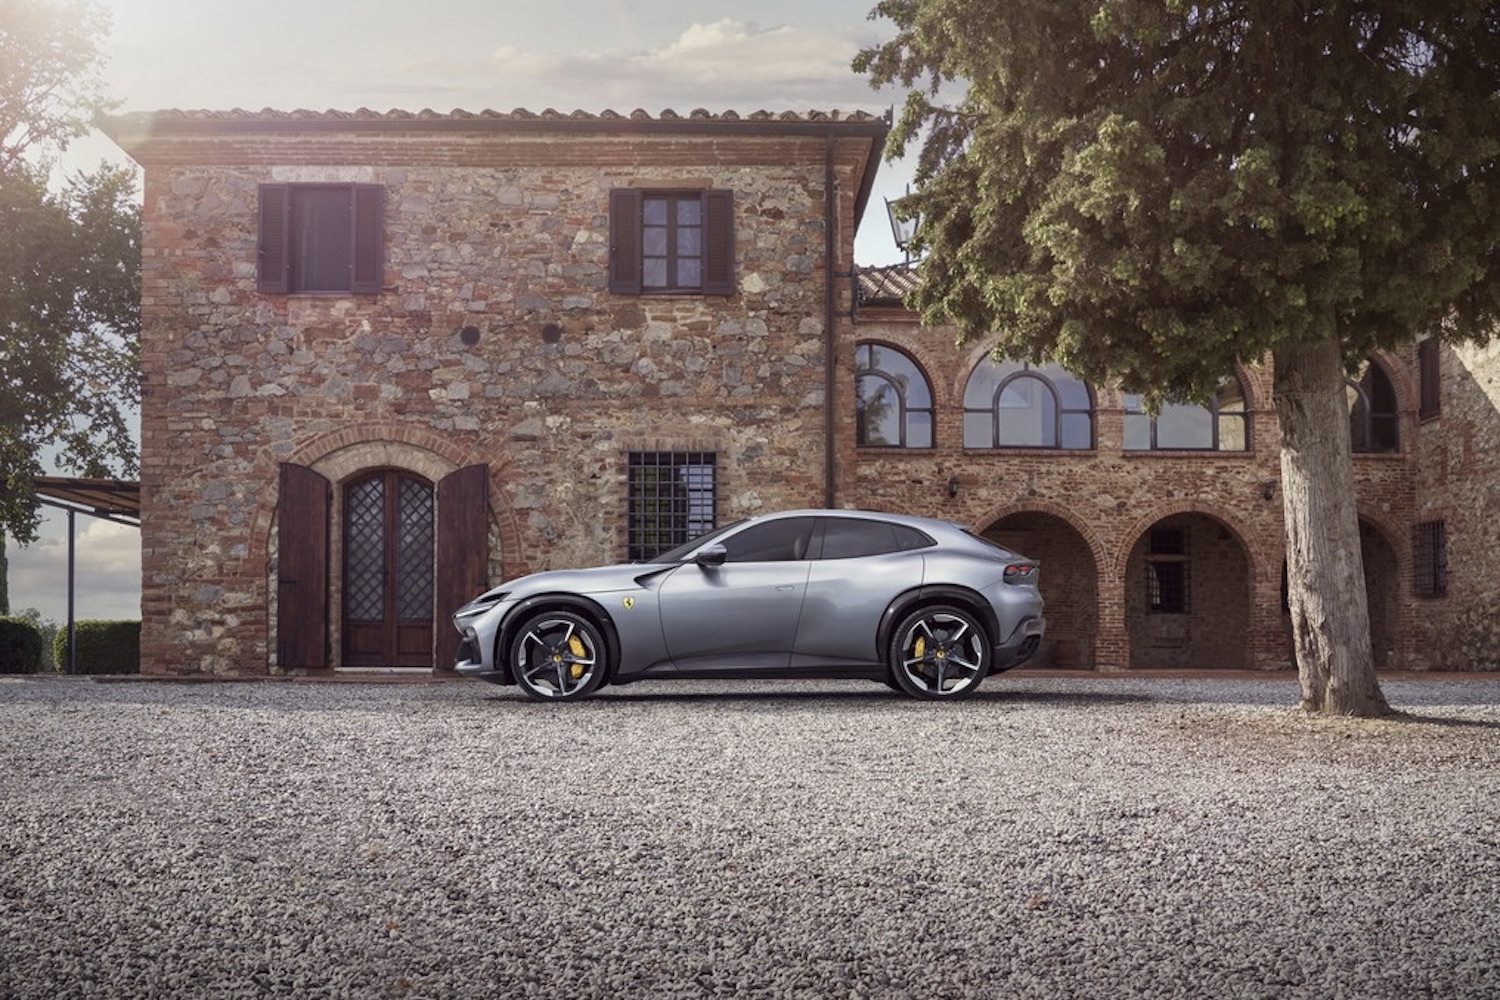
(72, 631)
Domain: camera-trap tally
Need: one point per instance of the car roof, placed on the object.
(912, 520)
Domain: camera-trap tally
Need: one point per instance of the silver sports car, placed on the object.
(920, 604)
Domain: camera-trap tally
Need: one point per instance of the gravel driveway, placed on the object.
(1050, 838)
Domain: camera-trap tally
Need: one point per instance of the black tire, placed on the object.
(940, 653)
(558, 656)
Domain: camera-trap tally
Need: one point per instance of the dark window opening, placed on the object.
(670, 500)
(1167, 591)
(1429, 559)
(1373, 419)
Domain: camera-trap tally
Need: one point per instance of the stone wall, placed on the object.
(553, 383)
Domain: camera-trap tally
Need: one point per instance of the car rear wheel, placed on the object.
(940, 652)
(558, 656)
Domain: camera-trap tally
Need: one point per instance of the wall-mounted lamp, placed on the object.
(952, 487)
(1268, 490)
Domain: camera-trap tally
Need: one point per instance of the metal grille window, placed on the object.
(671, 499)
(1167, 572)
(1429, 559)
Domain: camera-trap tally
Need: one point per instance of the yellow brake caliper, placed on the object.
(575, 645)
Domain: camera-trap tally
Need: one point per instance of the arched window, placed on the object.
(892, 398)
(1014, 404)
(1373, 420)
(1223, 425)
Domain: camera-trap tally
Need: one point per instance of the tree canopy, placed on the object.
(1150, 192)
(69, 266)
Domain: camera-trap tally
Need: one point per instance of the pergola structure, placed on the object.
(114, 500)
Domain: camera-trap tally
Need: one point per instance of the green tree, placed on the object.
(69, 265)
(1150, 191)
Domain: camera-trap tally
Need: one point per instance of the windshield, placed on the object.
(682, 551)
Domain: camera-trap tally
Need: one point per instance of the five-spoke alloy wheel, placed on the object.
(558, 656)
(939, 652)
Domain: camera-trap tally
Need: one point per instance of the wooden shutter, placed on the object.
(366, 273)
(462, 551)
(718, 242)
(302, 569)
(625, 241)
(1430, 403)
(273, 257)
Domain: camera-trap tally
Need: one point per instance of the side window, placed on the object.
(893, 402)
(1373, 420)
(1223, 425)
(1018, 405)
(320, 238)
(671, 242)
(850, 538)
(773, 541)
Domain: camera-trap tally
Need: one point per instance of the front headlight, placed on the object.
(478, 606)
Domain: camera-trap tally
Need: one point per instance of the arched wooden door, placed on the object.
(389, 535)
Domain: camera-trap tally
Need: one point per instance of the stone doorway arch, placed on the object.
(1069, 583)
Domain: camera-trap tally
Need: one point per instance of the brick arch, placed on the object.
(1401, 381)
(1166, 509)
(399, 445)
(996, 514)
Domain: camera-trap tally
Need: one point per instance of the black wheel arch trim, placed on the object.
(941, 593)
(585, 606)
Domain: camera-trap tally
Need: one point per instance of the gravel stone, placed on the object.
(1052, 837)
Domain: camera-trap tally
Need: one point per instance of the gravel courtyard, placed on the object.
(1050, 838)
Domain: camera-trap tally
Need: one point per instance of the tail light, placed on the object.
(1020, 572)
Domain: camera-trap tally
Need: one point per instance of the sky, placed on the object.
(474, 55)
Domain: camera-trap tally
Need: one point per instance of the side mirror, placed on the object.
(711, 555)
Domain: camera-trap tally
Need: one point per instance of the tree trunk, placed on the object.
(4, 579)
(1325, 570)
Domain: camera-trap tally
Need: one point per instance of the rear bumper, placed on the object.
(1021, 645)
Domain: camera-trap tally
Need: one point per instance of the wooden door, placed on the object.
(388, 570)
(302, 569)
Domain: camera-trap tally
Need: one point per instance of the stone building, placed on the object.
(390, 359)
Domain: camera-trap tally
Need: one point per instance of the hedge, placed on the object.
(103, 647)
(20, 647)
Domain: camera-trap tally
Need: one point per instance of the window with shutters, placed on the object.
(320, 238)
(671, 242)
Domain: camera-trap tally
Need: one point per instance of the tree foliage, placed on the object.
(1151, 192)
(69, 266)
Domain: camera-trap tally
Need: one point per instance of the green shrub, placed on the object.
(102, 647)
(20, 647)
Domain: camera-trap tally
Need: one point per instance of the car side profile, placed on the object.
(917, 603)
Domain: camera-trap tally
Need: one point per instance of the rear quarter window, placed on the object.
(851, 538)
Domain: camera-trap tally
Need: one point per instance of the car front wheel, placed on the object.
(557, 656)
(939, 653)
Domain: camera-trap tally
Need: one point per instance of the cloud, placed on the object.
(723, 65)
(107, 571)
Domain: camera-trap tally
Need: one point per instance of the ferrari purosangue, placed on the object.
(920, 604)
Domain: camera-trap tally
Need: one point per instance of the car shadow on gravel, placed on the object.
(871, 697)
